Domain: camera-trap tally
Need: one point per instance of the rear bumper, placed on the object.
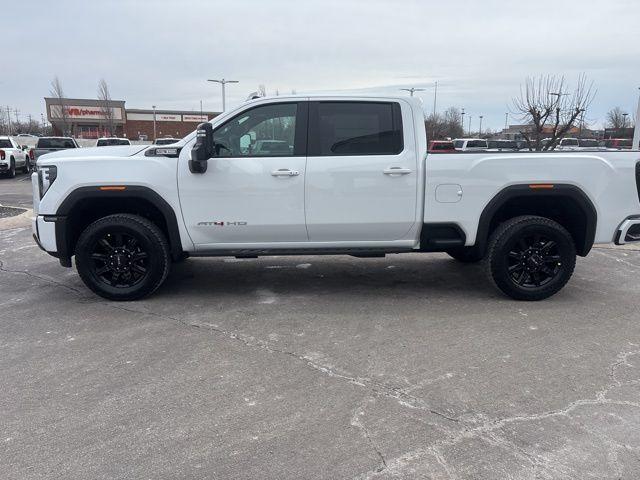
(628, 231)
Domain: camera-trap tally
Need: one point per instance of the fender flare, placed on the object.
(130, 192)
(524, 190)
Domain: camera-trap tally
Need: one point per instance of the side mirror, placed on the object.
(203, 149)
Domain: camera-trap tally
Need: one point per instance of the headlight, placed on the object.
(46, 176)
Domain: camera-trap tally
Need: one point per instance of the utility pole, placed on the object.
(469, 125)
(9, 119)
(412, 90)
(480, 129)
(17, 114)
(223, 82)
(636, 133)
(154, 123)
(506, 121)
(581, 121)
(462, 121)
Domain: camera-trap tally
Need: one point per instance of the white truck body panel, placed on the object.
(342, 201)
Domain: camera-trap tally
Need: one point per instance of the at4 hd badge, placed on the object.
(221, 224)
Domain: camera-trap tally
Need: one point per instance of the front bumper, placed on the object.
(628, 231)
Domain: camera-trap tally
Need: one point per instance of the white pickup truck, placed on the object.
(13, 157)
(342, 175)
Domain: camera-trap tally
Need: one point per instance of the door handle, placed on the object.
(396, 171)
(285, 172)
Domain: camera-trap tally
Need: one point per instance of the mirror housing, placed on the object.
(203, 149)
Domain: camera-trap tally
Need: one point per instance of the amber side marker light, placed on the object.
(541, 186)
(117, 188)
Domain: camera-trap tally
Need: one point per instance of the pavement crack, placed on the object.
(39, 277)
(379, 388)
(357, 422)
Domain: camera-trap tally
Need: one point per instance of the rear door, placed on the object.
(362, 169)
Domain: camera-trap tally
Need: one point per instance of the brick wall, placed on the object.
(135, 128)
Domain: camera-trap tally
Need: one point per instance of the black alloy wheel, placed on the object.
(119, 260)
(530, 257)
(122, 257)
(534, 261)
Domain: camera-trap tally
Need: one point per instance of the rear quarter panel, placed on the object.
(607, 178)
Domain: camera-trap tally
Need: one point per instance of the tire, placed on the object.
(11, 173)
(465, 254)
(122, 257)
(530, 258)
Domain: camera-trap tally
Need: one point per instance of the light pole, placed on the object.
(435, 97)
(462, 121)
(635, 144)
(154, 123)
(223, 82)
(480, 129)
(412, 89)
(469, 125)
(506, 121)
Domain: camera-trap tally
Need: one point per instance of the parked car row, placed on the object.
(565, 144)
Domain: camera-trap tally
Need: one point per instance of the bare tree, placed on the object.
(57, 92)
(104, 99)
(444, 125)
(550, 110)
(616, 118)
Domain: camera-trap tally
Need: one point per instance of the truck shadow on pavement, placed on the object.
(399, 275)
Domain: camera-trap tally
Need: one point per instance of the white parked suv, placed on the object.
(470, 144)
(354, 179)
(13, 157)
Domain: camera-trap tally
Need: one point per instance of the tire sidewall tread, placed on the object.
(493, 262)
(150, 229)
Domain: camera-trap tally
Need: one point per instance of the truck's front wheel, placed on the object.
(122, 257)
(530, 257)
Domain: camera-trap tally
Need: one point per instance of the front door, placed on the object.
(253, 189)
(362, 171)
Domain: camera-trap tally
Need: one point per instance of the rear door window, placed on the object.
(355, 128)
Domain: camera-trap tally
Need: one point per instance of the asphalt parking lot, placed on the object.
(411, 366)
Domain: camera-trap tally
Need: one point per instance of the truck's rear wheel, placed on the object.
(465, 254)
(530, 257)
(122, 257)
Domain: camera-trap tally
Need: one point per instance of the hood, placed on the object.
(115, 151)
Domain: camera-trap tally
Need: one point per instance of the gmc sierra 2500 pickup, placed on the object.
(329, 175)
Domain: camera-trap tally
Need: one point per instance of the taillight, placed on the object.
(2, 155)
(32, 154)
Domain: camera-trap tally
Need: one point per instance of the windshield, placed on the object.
(569, 142)
(55, 143)
(166, 141)
(112, 141)
(477, 144)
(588, 143)
(4, 143)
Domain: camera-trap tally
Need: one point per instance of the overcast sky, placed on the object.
(161, 52)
